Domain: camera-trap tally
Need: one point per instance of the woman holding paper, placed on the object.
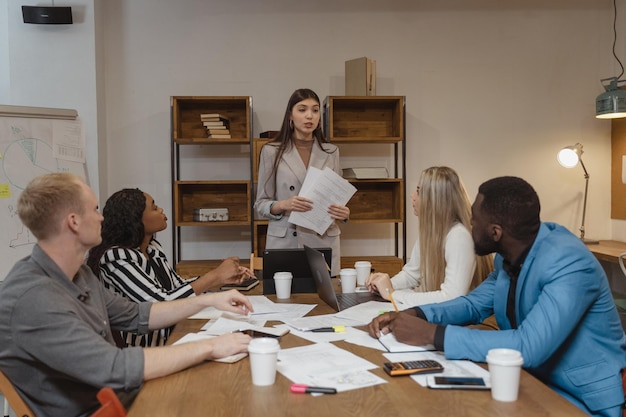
(283, 166)
(443, 264)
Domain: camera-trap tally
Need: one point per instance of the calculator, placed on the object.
(412, 367)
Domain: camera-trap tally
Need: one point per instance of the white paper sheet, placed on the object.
(194, 337)
(315, 322)
(392, 344)
(324, 187)
(365, 312)
(326, 365)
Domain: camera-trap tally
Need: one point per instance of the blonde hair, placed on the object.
(47, 199)
(443, 203)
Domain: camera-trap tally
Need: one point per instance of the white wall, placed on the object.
(52, 66)
(492, 89)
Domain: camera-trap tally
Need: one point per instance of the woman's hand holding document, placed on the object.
(324, 188)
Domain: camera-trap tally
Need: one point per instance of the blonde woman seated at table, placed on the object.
(443, 264)
(132, 262)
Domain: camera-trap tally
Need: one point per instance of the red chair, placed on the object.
(111, 405)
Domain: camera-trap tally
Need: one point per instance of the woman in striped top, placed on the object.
(132, 262)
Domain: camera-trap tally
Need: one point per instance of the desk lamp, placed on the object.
(569, 157)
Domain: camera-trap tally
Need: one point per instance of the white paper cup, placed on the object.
(282, 282)
(363, 270)
(263, 353)
(348, 280)
(504, 370)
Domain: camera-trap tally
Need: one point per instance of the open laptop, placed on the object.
(291, 260)
(325, 290)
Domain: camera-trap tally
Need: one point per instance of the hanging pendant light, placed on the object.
(612, 103)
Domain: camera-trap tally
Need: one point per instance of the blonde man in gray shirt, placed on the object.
(56, 345)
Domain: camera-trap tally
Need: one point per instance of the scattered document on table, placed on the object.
(324, 187)
(263, 305)
(290, 312)
(317, 337)
(315, 322)
(194, 337)
(363, 338)
(390, 343)
(326, 365)
(228, 325)
(365, 312)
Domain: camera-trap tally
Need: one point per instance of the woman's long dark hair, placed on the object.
(284, 140)
(122, 225)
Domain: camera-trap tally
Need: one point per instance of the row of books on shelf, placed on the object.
(217, 125)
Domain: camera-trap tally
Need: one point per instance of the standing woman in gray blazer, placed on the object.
(282, 169)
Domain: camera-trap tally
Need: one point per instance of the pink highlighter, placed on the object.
(305, 389)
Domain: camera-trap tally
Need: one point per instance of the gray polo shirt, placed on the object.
(55, 339)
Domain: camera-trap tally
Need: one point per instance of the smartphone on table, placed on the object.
(456, 382)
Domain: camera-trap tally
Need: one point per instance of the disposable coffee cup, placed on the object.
(504, 370)
(363, 269)
(282, 282)
(348, 280)
(263, 352)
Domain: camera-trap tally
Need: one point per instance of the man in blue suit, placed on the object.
(550, 297)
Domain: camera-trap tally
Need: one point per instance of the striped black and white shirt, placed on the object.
(128, 272)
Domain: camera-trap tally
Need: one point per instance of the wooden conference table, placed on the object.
(219, 389)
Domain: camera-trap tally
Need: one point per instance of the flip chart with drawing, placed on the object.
(33, 141)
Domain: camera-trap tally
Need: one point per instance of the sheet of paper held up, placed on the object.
(324, 187)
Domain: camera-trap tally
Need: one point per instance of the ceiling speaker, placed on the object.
(50, 15)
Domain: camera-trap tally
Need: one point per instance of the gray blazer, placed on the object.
(289, 178)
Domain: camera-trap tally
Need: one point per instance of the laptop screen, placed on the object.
(321, 275)
(291, 260)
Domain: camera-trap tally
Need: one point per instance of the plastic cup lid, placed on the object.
(505, 357)
(264, 345)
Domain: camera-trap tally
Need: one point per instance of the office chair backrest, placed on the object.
(111, 405)
(13, 397)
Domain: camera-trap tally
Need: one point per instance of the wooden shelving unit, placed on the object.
(231, 195)
(188, 129)
(355, 120)
(347, 120)
(190, 194)
(369, 119)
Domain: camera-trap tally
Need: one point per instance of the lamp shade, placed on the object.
(612, 103)
(570, 155)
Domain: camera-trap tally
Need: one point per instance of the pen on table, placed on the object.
(333, 329)
(305, 389)
(392, 301)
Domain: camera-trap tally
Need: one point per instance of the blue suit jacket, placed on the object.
(569, 332)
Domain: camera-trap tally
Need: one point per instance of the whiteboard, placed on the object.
(26, 151)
